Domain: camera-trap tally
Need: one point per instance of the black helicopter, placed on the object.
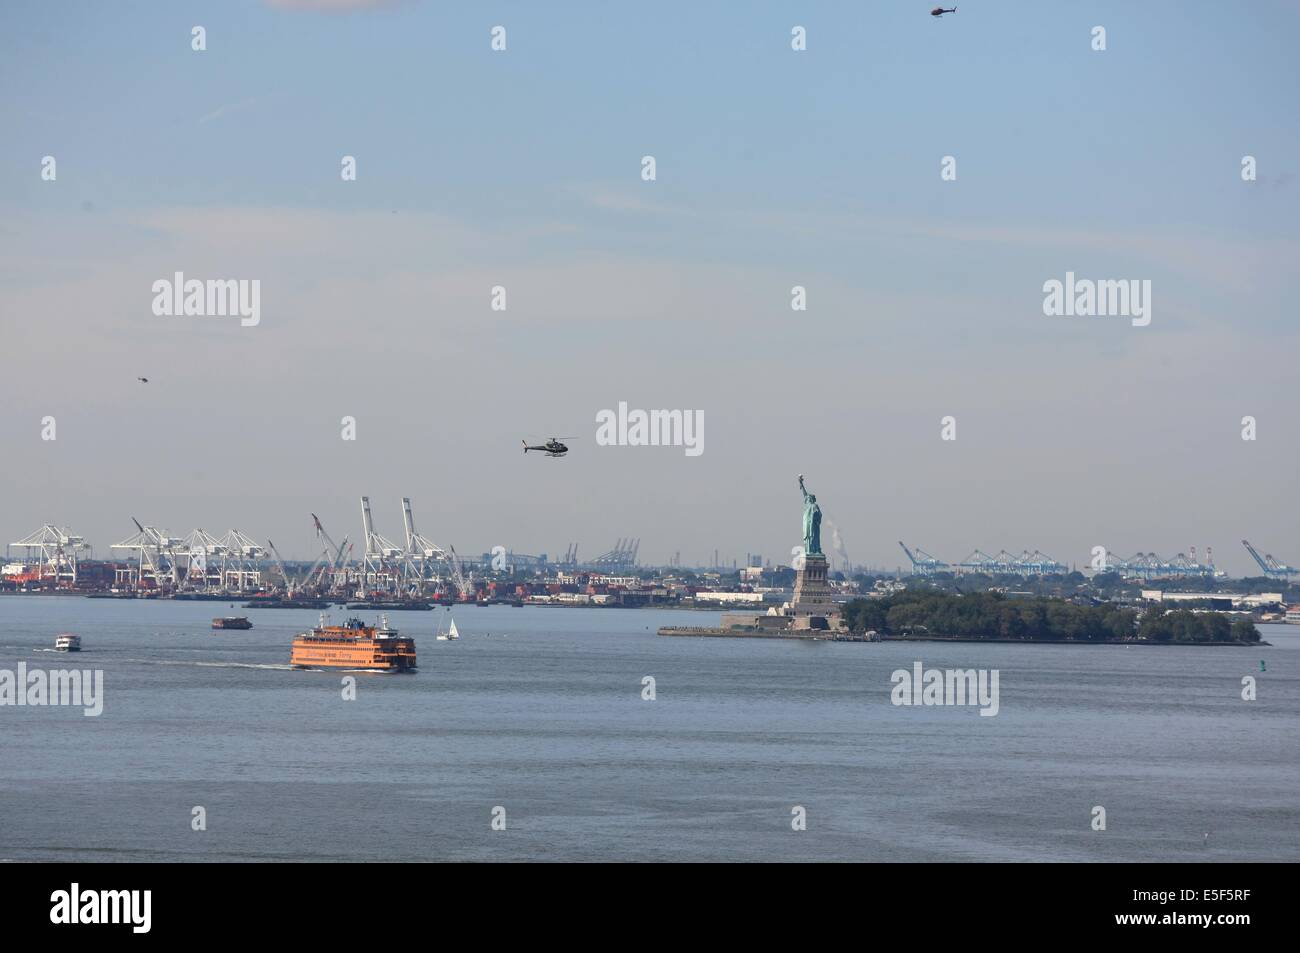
(940, 11)
(552, 447)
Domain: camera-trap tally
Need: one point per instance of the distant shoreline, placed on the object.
(105, 595)
(824, 635)
(940, 638)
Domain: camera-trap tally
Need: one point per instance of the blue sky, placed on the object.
(775, 168)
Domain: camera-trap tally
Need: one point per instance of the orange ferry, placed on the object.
(354, 645)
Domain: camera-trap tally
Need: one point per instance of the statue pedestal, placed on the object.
(812, 596)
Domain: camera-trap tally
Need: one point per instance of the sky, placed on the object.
(775, 168)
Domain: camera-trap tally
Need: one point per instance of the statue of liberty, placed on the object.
(812, 522)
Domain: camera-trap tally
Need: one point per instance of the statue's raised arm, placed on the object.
(803, 489)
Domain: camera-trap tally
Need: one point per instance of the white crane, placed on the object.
(289, 586)
(334, 550)
(462, 583)
(381, 553)
(422, 553)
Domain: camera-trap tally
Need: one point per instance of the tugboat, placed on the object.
(354, 645)
(232, 622)
(67, 643)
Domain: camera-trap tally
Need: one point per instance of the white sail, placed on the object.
(452, 633)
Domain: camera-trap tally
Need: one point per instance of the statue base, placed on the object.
(812, 594)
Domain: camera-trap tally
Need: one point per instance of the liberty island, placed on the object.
(811, 612)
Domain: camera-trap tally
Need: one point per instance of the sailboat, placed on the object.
(451, 635)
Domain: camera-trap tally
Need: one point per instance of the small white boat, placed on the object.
(67, 643)
(451, 635)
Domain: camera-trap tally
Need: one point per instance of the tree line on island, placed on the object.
(992, 615)
(1103, 586)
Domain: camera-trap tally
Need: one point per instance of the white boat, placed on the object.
(67, 643)
(451, 635)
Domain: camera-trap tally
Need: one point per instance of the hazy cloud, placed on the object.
(333, 6)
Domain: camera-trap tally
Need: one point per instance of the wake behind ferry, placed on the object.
(354, 645)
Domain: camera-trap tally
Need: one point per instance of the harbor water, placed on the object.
(541, 718)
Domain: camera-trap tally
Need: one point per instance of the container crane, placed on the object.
(924, 564)
(1272, 567)
(336, 549)
(289, 586)
(421, 552)
(458, 576)
(381, 553)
